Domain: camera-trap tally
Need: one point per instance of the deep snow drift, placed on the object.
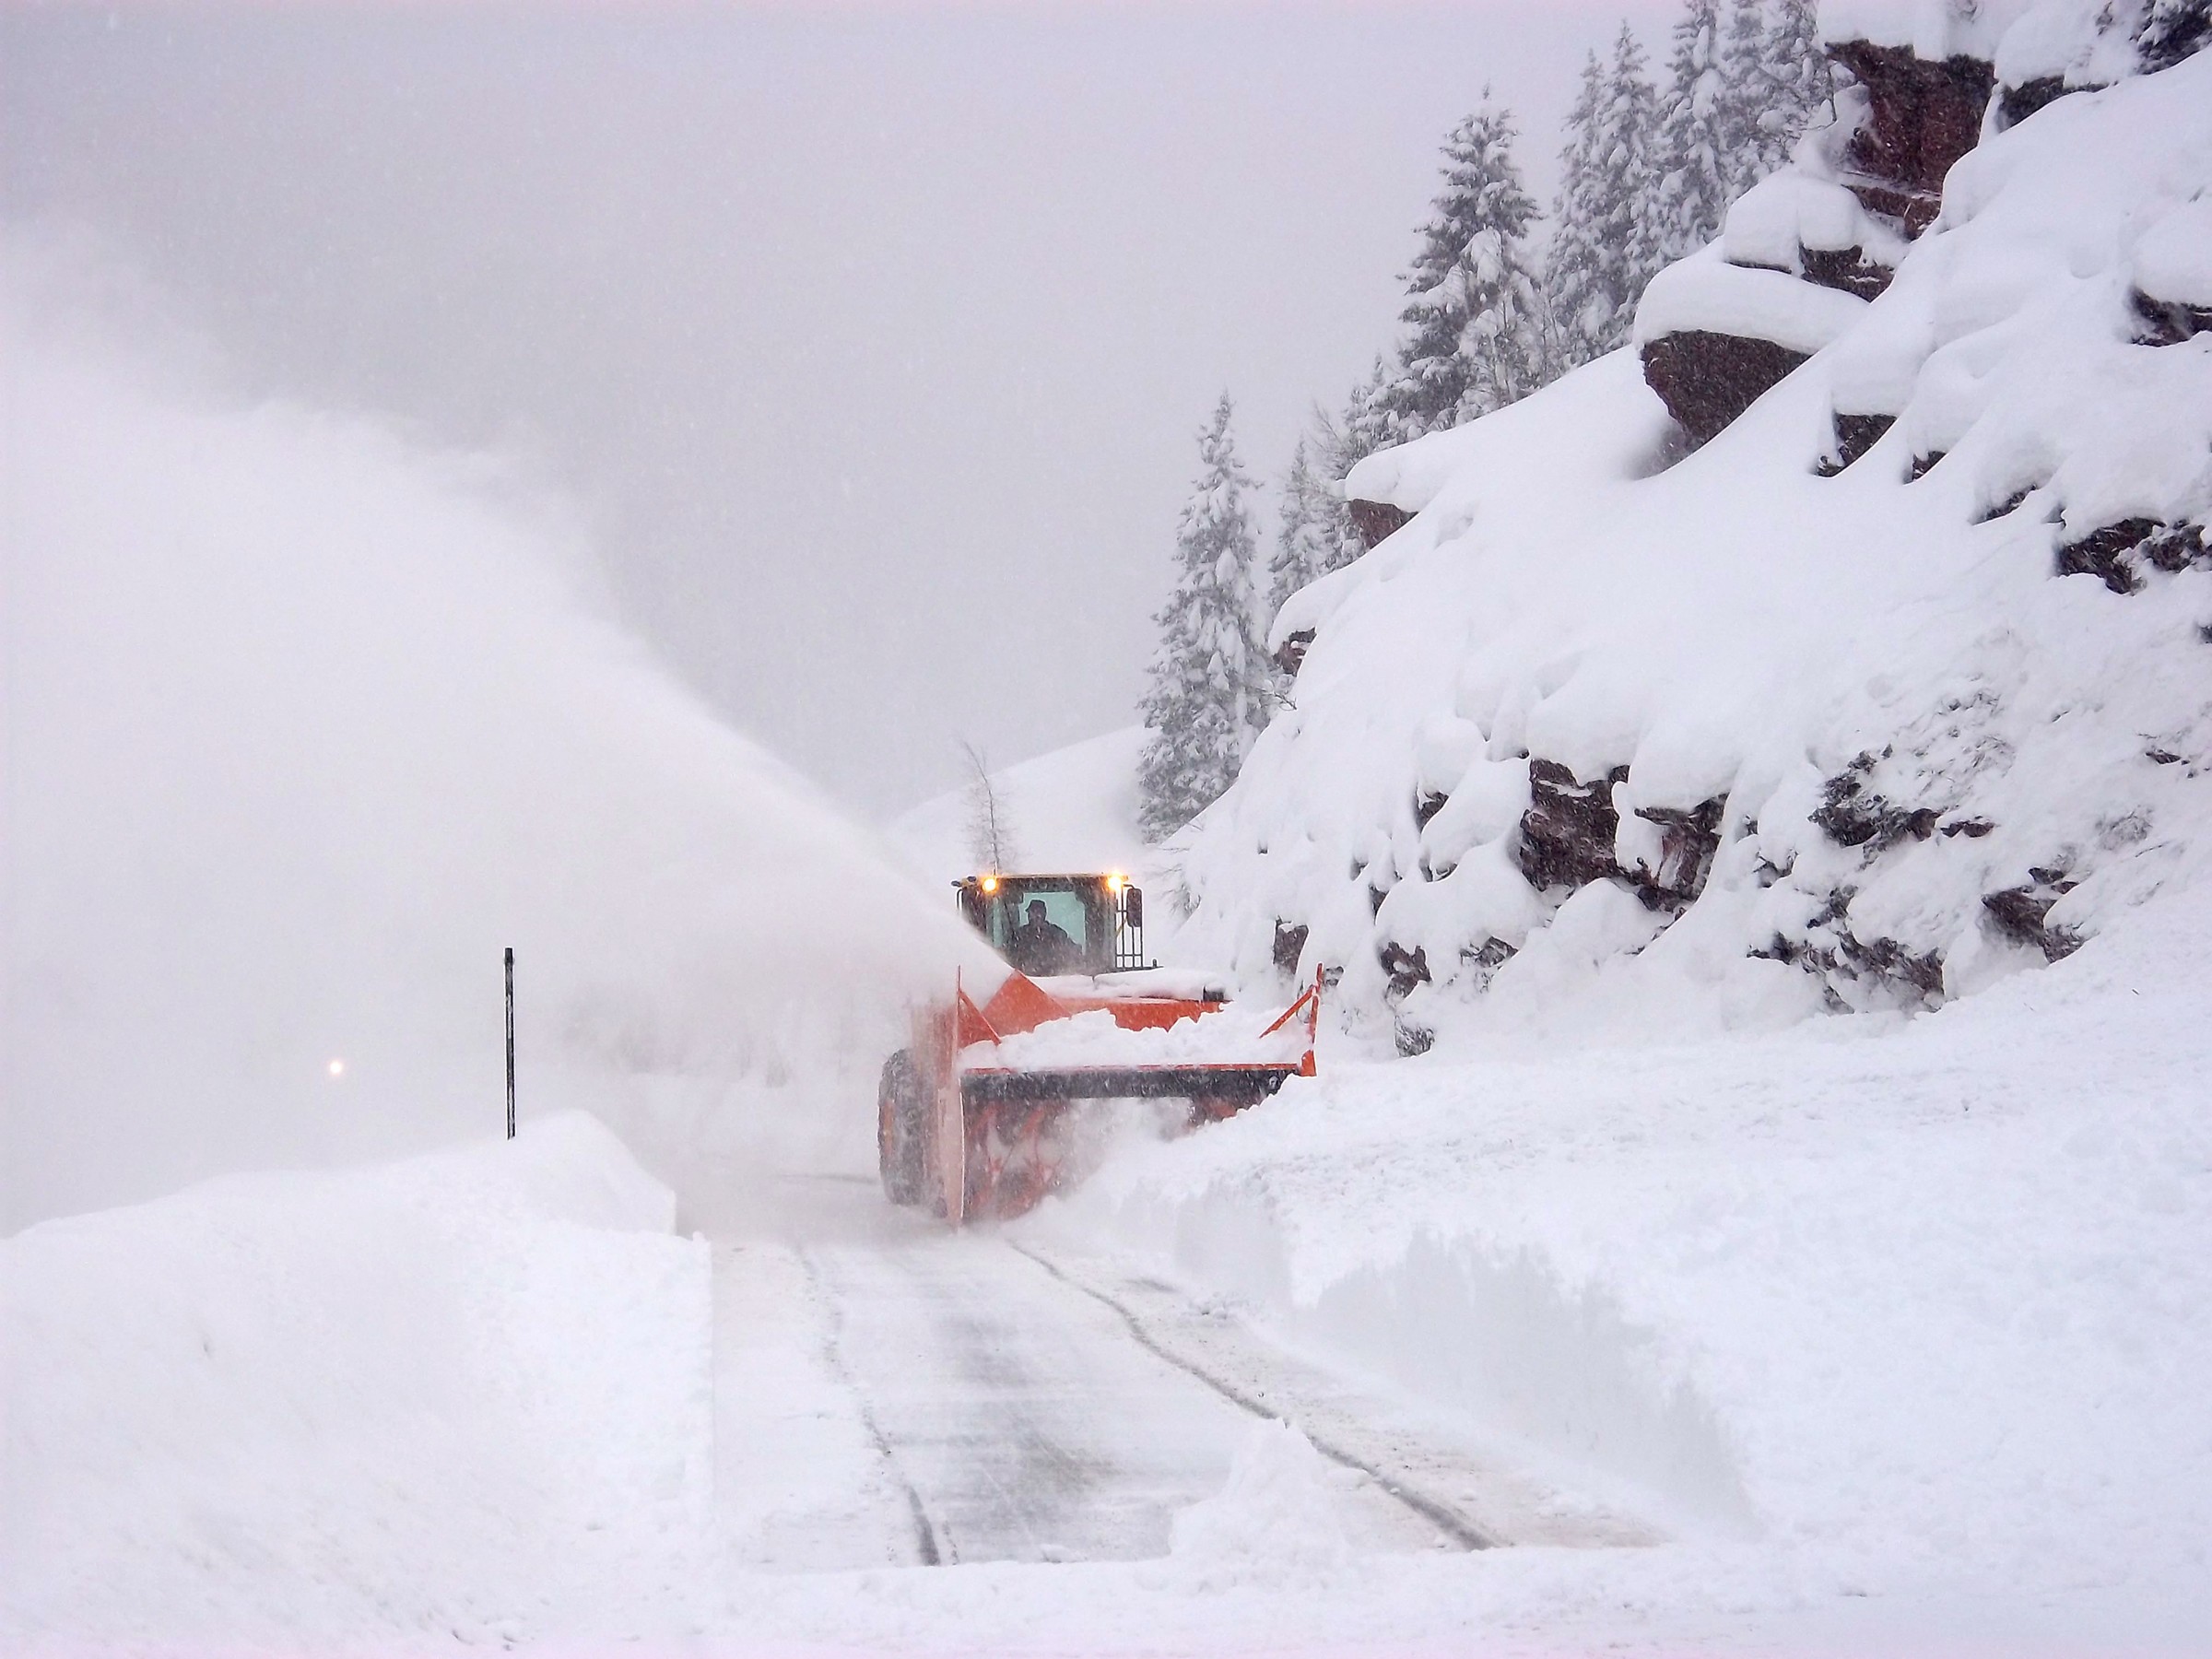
(303, 727)
(1896, 1329)
(444, 1401)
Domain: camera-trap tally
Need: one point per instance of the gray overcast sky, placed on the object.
(873, 340)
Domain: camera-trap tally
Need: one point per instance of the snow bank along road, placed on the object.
(891, 1392)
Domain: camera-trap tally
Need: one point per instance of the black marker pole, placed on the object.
(510, 1042)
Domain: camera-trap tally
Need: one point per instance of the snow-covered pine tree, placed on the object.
(1334, 447)
(1800, 80)
(1474, 312)
(1604, 249)
(1205, 701)
(1746, 88)
(1572, 255)
(1692, 193)
(1309, 530)
(1365, 428)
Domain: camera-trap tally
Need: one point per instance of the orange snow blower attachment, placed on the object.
(983, 1113)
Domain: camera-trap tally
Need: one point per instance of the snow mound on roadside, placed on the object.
(1599, 742)
(1915, 1315)
(1276, 1521)
(465, 1396)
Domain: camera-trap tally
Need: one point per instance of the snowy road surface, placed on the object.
(888, 1393)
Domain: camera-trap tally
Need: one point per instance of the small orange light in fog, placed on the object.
(337, 1068)
(990, 884)
(1116, 883)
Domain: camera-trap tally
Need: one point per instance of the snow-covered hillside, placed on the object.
(1898, 685)
(1074, 808)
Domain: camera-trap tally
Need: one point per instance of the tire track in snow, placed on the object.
(1449, 1522)
(927, 1544)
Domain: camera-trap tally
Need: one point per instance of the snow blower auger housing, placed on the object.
(978, 1115)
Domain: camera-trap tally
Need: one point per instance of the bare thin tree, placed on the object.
(989, 831)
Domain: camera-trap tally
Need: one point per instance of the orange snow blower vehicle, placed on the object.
(982, 1112)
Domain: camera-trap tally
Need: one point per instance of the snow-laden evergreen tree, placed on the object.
(1473, 311)
(1745, 150)
(1309, 536)
(1209, 693)
(1693, 193)
(1604, 248)
(1366, 426)
(1799, 81)
(1571, 257)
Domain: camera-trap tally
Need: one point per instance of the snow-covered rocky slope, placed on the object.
(1898, 684)
(1863, 668)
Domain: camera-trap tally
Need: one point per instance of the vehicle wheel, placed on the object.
(898, 1129)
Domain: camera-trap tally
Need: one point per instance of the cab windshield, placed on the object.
(1048, 927)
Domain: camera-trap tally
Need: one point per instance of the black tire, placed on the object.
(900, 1139)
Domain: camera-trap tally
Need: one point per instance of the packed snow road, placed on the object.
(891, 1392)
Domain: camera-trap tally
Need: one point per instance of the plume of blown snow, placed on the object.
(305, 724)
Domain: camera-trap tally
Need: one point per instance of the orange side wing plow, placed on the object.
(1002, 1138)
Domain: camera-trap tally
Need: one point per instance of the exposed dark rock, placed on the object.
(1707, 379)
(1375, 520)
(1888, 961)
(1833, 950)
(2014, 105)
(2174, 547)
(1922, 116)
(1289, 945)
(1855, 434)
(2022, 914)
(1973, 828)
(1290, 655)
(1687, 842)
(1376, 896)
(2161, 756)
(2166, 321)
(1482, 961)
(1427, 805)
(1851, 815)
(1566, 832)
(2011, 503)
(2119, 555)
(1412, 1038)
(1848, 269)
(1923, 464)
(1405, 968)
(2165, 38)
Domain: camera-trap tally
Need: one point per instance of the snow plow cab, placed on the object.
(983, 1113)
